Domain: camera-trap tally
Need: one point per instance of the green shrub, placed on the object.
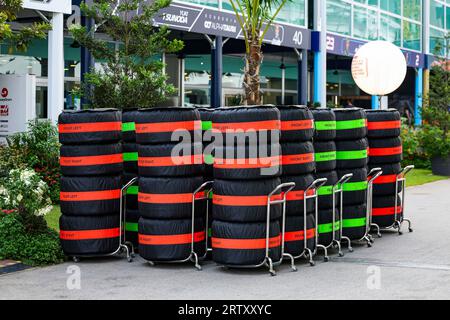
(413, 151)
(36, 249)
(37, 149)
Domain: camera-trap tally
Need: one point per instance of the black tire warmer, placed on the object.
(387, 150)
(384, 185)
(238, 201)
(170, 160)
(129, 117)
(156, 125)
(297, 158)
(355, 190)
(237, 244)
(351, 154)
(383, 123)
(85, 235)
(130, 157)
(325, 193)
(131, 226)
(168, 198)
(351, 123)
(295, 198)
(324, 124)
(383, 210)
(86, 196)
(354, 221)
(91, 160)
(170, 240)
(325, 226)
(294, 238)
(247, 162)
(297, 123)
(92, 126)
(325, 155)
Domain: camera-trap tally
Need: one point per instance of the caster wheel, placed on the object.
(410, 230)
(341, 254)
(400, 233)
(379, 235)
(273, 273)
(130, 259)
(133, 255)
(312, 263)
(326, 259)
(350, 249)
(294, 269)
(369, 244)
(76, 259)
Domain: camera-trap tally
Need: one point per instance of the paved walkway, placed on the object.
(412, 266)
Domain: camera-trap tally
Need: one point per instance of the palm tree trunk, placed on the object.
(253, 61)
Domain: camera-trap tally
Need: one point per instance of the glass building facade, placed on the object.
(397, 21)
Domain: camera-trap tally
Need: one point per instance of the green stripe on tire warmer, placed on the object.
(128, 126)
(350, 124)
(326, 190)
(130, 156)
(206, 125)
(349, 155)
(325, 156)
(355, 186)
(354, 223)
(133, 190)
(328, 227)
(131, 226)
(325, 125)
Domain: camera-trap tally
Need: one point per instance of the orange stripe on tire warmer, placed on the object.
(170, 198)
(174, 239)
(89, 234)
(247, 163)
(383, 125)
(390, 178)
(245, 244)
(379, 152)
(90, 127)
(298, 195)
(91, 160)
(389, 211)
(170, 161)
(90, 195)
(168, 126)
(297, 158)
(256, 125)
(245, 201)
(299, 235)
(297, 125)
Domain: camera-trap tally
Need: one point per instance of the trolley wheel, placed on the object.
(294, 269)
(130, 259)
(151, 263)
(410, 230)
(379, 235)
(76, 259)
(326, 258)
(350, 249)
(400, 233)
(273, 273)
(133, 255)
(312, 263)
(341, 254)
(369, 244)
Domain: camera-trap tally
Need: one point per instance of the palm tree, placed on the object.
(255, 18)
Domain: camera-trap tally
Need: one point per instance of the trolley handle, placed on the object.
(374, 174)
(344, 179)
(202, 188)
(128, 184)
(289, 185)
(316, 184)
(405, 171)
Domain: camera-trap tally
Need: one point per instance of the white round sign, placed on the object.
(379, 68)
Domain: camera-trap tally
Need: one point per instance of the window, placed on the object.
(412, 9)
(339, 17)
(293, 12)
(390, 29)
(411, 35)
(365, 23)
(436, 41)
(393, 6)
(437, 14)
(209, 3)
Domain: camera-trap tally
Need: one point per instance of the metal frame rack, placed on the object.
(338, 188)
(267, 261)
(398, 218)
(193, 256)
(123, 244)
(307, 253)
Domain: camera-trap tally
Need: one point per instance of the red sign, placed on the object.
(4, 92)
(4, 111)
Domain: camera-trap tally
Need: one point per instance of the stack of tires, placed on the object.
(246, 170)
(325, 158)
(130, 171)
(170, 170)
(385, 152)
(297, 131)
(91, 167)
(351, 156)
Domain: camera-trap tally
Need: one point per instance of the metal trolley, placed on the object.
(267, 261)
(205, 188)
(124, 246)
(398, 218)
(307, 252)
(338, 188)
(372, 176)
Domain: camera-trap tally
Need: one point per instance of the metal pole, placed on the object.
(216, 72)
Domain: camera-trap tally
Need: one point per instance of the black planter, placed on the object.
(441, 166)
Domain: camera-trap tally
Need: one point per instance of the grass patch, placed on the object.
(418, 177)
(52, 217)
